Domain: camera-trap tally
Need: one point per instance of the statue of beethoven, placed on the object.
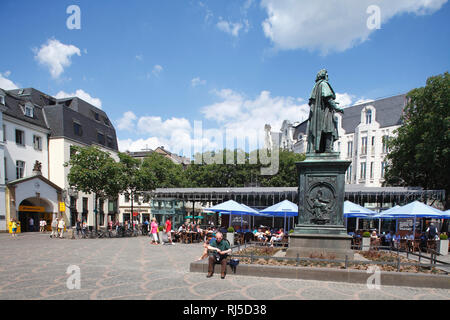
(322, 125)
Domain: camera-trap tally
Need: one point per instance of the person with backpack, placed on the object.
(432, 232)
(220, 249)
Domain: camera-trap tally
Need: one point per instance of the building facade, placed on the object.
(363, 131)
(38, 132)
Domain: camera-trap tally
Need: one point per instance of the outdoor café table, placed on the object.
(191, 236)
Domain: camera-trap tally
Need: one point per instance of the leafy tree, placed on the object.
(241, 175)
(420, 154)
(134, 177)
(94, 171)
(163, 171)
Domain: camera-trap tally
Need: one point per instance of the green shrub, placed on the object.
(230, 229)
(443, 236)
(291, 231)
(160, 228)
(366, 234)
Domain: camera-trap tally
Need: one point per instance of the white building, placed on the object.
(39, 129)
(363, 131)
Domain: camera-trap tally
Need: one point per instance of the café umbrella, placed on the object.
(231, 207)
(413, 210)
(284, 209)
(353, 210)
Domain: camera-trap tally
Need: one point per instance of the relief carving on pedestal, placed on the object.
(321, 202)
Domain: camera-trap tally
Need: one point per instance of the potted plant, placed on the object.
(160, 234)
(443, 244)
(230, 235)
(365, 244)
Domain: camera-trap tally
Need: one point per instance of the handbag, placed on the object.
(233, 264)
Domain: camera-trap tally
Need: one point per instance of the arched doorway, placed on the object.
(32, 211)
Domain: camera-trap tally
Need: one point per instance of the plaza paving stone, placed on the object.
(33, 266)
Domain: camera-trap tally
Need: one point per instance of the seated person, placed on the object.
(374, 235)
(260, 235)
(388, 238)
(208, 240)
(220, 249)
(277, 237)
(396, 240)
(267, 235)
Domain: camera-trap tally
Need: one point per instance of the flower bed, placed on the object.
(378, 256)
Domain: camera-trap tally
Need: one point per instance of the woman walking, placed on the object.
(54, 228)
(154, 231)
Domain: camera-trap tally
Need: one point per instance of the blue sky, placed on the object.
(157, 66)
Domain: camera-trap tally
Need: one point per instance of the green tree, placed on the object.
(420, 154)
(245, 174)
(287, 173)
(134, 178)
(164, 172)
(94, 171)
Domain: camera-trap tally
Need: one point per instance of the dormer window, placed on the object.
(368, 116)
(2, 100)
(28, 110)
(97, 116)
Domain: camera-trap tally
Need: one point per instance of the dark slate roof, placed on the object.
(14, 103)
(388, 113)
(301, 128)
(61, 118)
(58, 115)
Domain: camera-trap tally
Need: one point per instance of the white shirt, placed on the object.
(61, 224)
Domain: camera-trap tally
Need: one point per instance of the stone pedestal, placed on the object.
(321, 229)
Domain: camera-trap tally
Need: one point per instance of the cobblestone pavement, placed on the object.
(33, 266)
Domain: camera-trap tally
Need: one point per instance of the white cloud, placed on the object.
(344, 99)
(233, 112)
(139, 57)
(5, 83)
(138, 145)
(157, 69)
(247, 117)
(326, 26)
(155, 125)
(197, 82)
(232, 28)
(56, 56)
(127, 122)
(82, 95)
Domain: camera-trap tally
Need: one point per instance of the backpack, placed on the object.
(432, 233)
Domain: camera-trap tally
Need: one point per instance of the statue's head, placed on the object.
(322, 75)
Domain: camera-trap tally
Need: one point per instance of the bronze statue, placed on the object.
(322, 126)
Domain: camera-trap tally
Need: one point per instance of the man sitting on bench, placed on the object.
(220, 249)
